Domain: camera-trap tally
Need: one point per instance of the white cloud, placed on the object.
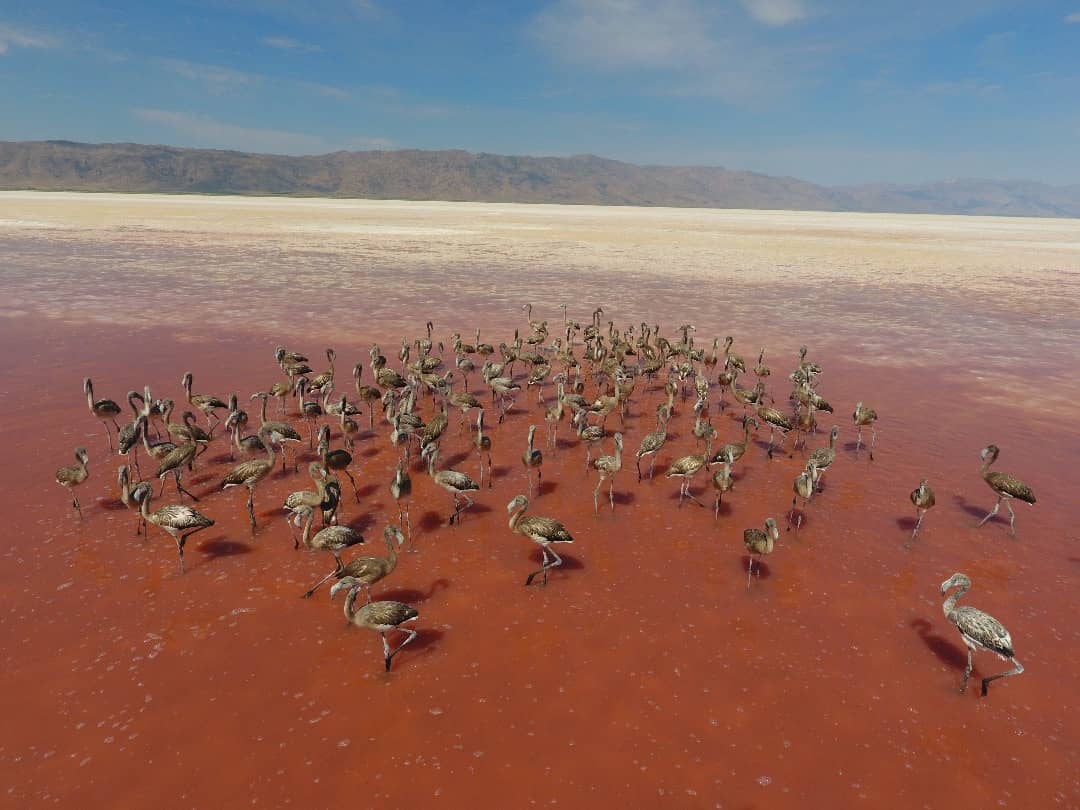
(290, 44)
(327, 90)
(1073, 18)
(217, 79)
(15, 38)
(692, 48)
(614, 34)
(776, 12)
(204, 131)
(963, 87)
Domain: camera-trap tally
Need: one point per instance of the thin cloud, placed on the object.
(776, 12)
(217, 79)
(964, 87)
(680, 47)
(204, 131)
(1073, 18)
(290, 44)
(327, 90)
(11, 37)
(617, 34)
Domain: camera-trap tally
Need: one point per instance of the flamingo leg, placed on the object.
(353, 482)
(386, 648)
(1017, 670)
(993, 511)
(251, 506)
(1012, 518)
(918, 523)
(542, 570)
(967, 672)
(318, 584)
(181, 488)
(749, 571)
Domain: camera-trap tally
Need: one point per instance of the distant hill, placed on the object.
(411, 174)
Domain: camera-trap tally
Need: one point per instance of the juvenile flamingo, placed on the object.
(760, 542)
(1006, 486)
(382, 617)
(980, 631)
(542, 531)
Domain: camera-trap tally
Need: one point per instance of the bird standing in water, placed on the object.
(382, 617)
(980, 631)
(541, 530)
(1006, 486)
(71, 477)
(760, 542)
(923, 498)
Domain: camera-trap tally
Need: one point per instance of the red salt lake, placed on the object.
(645, 673)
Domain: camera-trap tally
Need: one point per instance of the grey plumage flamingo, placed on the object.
(863, 416)
(368, 570)
(759, 542)
(454, 482)
(71, 477)
(1006, 486)
(542, 531)
(923, 499)
(980, 631)
(101, 409)
(177, 520)
(382, 617)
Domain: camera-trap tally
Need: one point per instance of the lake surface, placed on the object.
(645, 673)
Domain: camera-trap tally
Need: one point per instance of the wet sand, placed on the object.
(645, 673)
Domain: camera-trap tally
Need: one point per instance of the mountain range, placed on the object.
(411, 174)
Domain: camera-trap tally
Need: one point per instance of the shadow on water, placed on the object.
(761, 568)
(426, 638)
(907, 523)
(450, 462)
(979, 512)
(361, 523)
(946, 651)
(411, 596)
(368, 489)
(220, 547)
(430, 521)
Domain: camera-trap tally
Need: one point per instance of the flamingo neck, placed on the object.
(954, 597)
(350, 603)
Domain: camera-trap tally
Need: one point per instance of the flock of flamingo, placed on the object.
(614, 363)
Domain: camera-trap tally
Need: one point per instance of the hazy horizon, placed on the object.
(828, 91)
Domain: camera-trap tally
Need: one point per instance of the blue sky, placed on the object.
(832, 91)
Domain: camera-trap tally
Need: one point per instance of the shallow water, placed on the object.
(645, 672)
